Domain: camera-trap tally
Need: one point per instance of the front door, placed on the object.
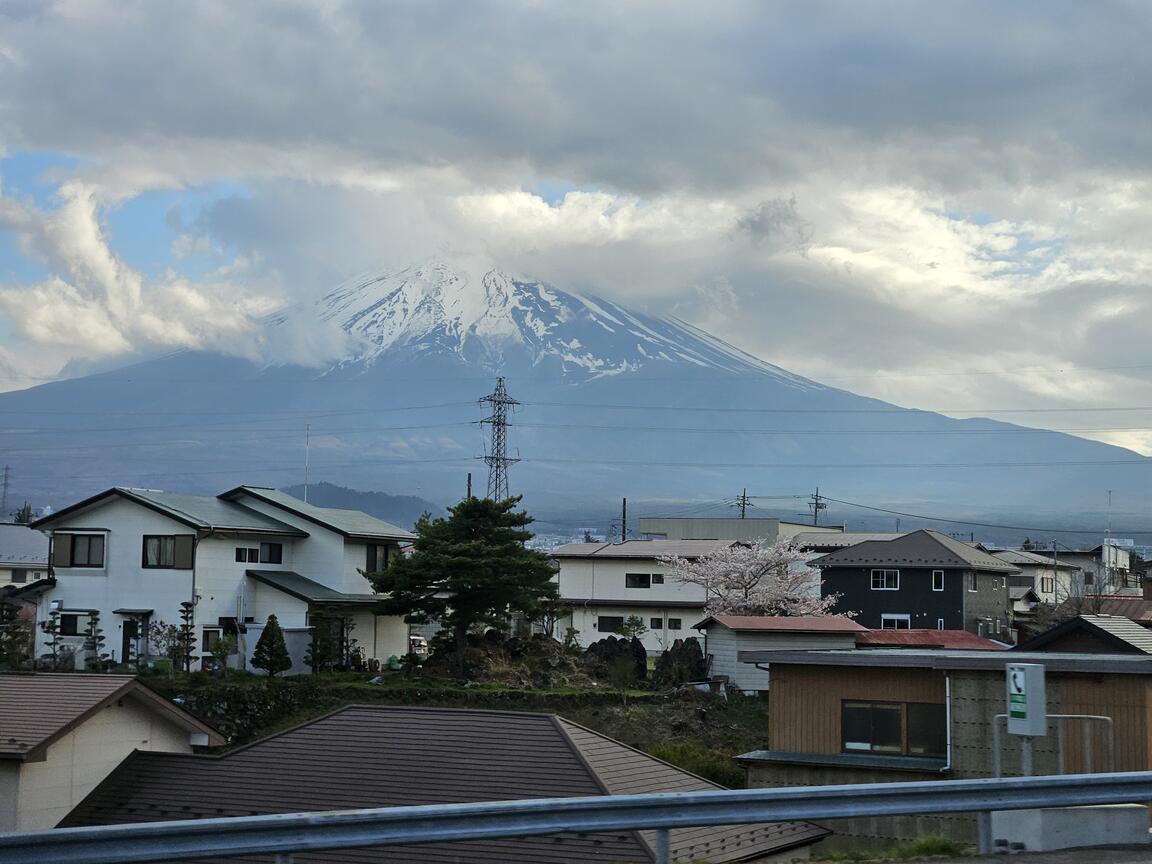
(128, 643)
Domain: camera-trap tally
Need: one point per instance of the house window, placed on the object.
(655, 623)
(1047, 585)
(69, 625)
(895, 621)
(211, 637)
(637, 580)
(901, 728)
(172, 552)
(937, 580)
(973, 585)
(19, 575)
(673, 623)
(657, 578)
(885, 580)
(271, 553)
(939, 623)
(610, 623)
(247, 554)
(376, 558)
(78, 550)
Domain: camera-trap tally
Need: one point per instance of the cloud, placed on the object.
(929, 204)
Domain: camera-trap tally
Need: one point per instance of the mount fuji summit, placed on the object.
(375, 385)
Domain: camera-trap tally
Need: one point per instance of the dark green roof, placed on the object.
(303, 588)
(350, 523)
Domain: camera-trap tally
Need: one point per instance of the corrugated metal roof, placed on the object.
(953, 639)
(1123, 628)
(1118, 631)
(36, 709)
(384, 756)
(353, 523)
(829, 540)
(918, 658)
(1133, 608)
(306, 589)
(21, 546)
(918, 549)
(641, 549)
(1031, 559)
(781, 623)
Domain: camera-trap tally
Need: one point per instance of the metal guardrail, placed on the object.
(284, 834)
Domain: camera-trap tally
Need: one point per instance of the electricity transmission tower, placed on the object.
(498, 459)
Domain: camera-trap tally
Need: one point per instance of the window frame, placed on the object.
(675, 624)
(655, 623)
(163, 562)
(657, 578)
(74, 619)
(73, 562)
(898, 618)
(1047, 584)
(884, 573)
(936, 573)
(973, 582)
(618, 627)
(629, 578)
(18, 575)
(206, 645)
(266, 556)
(911, 740)
(939, 623)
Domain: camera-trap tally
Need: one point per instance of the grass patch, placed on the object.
(714, 765)
(923, 847)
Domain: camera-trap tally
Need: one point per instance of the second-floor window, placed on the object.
(1047, 584)
(937, 580)
(167, 551)
(271, 553)
(973, 584)
(885, 580)
(637, 580)
(78, 550)
(377, 557)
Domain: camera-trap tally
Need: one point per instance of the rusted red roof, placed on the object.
(781, 623)
(952, 639)
(36, 709)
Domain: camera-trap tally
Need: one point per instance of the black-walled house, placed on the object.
(922, 580)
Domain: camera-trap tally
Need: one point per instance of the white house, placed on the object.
(61, 735)
(607, 583)
(133, 556)
(726, 635)
(1051, 580)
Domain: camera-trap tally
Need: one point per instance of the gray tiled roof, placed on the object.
(353, 523)
(386, 756)
(212, 512)
(830, 540)
(1022, 558)
(21, 546)
(1124, 629)
(918, 549)
(641, 549)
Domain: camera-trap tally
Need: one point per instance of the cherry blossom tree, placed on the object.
(756, 579)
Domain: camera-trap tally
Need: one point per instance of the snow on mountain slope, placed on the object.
(486, 316)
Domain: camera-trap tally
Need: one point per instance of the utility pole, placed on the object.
(498, 459)
(307, 455)
(816, 504)
(623, 519)
(743, 503)
(469, 484)
(4, 493)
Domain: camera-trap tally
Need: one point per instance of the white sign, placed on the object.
(1027, 699)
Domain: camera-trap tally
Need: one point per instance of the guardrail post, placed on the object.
(663, 849)
(984, 832)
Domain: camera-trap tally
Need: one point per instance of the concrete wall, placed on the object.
(78, 762)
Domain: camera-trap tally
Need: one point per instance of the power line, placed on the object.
(1032, 529)
(892, 410)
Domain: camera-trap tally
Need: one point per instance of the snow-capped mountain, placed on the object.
(614, 402)
(485, 316)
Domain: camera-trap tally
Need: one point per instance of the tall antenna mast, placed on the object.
(498, 459)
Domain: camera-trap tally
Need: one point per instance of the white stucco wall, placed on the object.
(76, 763)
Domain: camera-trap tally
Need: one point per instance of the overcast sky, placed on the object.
(941, 205)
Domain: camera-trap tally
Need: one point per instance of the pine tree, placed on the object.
(468, 570)
(271, 652)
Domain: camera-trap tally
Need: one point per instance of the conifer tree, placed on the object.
(271, 652)
(468, 570)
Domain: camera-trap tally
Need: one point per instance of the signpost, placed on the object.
(1027, 707)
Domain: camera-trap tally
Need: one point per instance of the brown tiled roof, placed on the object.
(37, 709)
(918, 549)
(952, 639)
(384, 756)
(779, 623)
(1135, 608)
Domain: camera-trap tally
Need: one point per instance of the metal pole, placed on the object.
(984, 832)
(663, 848)
(1026, 755)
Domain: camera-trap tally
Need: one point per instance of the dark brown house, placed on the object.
(383, 756)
